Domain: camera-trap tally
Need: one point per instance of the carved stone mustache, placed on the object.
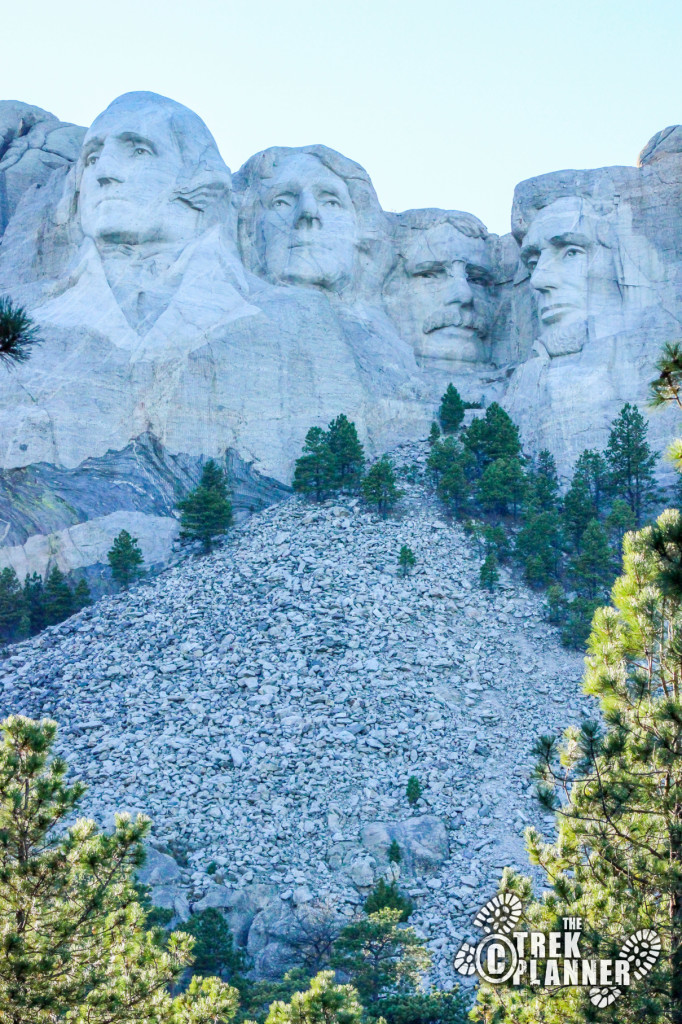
(455, 317)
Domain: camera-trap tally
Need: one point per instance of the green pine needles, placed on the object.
(18, 334)
(75, 945)
(206, 512)
(332, 460)
(125, 559)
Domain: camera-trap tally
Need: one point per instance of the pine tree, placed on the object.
(74, 942)
(413, 790)
(493, 436)
(502, 487)
(451, 411)
(543, 483)
(214, 952)
(125, 559)
(206, 512)
(666, 388)
(406, 560)
(81, 595)
(450, 465)
(12, 605)
(311, 472)
(34, 601)
(591, 468)
(18, 333)
(617, 860)
(346, 455)
(631, 462)
(382, 957)
(556, 604)
(385, 895)
(324, 1002)
(434, 433)
(489, 574)
(379, 486)
(539, 546)
(579, 509)
(591, 570)
(619, 521)
(58, 597)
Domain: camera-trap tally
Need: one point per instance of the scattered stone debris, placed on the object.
(266, 705)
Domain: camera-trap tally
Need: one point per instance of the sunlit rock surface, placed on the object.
(220, 317)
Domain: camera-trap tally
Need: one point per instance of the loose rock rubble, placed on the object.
(266, 705)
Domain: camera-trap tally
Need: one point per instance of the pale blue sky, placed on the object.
(446, 103)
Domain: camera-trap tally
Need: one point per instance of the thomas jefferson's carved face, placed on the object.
(308, 226)
(131, 165)
(448, 294)
(572, 273)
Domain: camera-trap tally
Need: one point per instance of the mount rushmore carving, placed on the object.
(187, 312)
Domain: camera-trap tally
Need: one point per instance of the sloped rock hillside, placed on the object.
(267, 704)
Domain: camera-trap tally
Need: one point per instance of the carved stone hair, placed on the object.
(424, 220)
(204, 181)
(372, 223)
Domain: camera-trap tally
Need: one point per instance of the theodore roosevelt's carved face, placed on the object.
(131, 164)
(308, 226)
(448, 297)
(571, 271)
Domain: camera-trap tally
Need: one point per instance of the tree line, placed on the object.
(512, 506)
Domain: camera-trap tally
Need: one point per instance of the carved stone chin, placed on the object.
(452, 346)
(566, 339)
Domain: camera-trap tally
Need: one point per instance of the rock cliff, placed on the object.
(205, 314)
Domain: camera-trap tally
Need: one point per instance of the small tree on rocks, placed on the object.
(81, 595)
(413, 790)
(406, 560)
(434, 433)
(311, 472)
(206, 512)
(451, 412)
(58, 597)
(345, 453)
(388, 895)
(125, 559)
(379, 486)
(489, 574)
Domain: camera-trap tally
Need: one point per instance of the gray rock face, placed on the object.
(218, 316)
(423, 843)
(33, 143)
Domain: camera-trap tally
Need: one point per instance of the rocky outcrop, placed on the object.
(70, 517)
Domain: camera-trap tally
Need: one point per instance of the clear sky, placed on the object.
(446, 102)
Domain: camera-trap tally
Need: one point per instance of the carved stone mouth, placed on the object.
(555, 311)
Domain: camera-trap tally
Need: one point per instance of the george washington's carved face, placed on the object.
(308, 229)
(131, 163)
